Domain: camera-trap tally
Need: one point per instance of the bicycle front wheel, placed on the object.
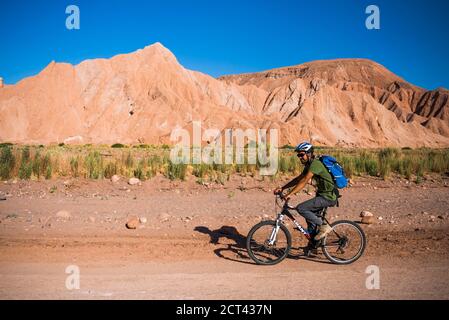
(259, 247)
(345, 243)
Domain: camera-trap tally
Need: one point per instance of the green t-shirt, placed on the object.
(324, 182)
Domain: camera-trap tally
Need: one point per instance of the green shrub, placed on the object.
(420, 169)
(154, 161)
(418, 179)
(438, 162)
(118, 145)
(74, 167)
(26, 166)
(406, 167)
(283, 165)
(129, 161)
(7, 162)
(154, 165)
(94, 165)
(293, 164)
(26, 154)
(371, 167)
(37, 164)
(138, 173)
(110, 170)
(25, 171)
(348, 165)
(221, 178)
(387, 157)
(176, 171)
(201, 170)
(46, 168)
(219, 167)
(252, 169)
(6, 144)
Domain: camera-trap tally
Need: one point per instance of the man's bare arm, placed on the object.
(292, 183)
(301, 184)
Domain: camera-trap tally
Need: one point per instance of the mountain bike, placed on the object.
(269, 242)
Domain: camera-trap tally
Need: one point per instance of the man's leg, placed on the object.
(309, 210)
(311, 228)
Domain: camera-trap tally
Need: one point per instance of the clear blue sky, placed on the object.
(230, 36)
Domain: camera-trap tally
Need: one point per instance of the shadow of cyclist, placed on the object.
(238, 248)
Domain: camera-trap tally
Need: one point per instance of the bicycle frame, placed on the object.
(280, 218)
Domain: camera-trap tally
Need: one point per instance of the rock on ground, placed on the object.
(164, 217)
(63, 214)
(368, 220)
(133, 181)
(133, 222)
(366, 214)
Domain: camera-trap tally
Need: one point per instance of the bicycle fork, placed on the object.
(275, 230)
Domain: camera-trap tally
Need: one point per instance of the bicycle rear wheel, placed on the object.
(345, 243)
(260, 250)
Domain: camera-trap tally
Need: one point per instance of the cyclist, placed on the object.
(325, 193)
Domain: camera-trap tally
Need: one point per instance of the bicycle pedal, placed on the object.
(310, 251)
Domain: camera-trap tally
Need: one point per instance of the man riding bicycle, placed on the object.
(325, 193)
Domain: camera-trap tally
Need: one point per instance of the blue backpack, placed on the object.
(336, 171)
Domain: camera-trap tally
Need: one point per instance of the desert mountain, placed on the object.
(347, 94)
(142, 96)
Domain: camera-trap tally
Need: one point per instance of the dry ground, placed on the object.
(192, 243)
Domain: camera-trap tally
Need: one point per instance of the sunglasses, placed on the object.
(301, 155)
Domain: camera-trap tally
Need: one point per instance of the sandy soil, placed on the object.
(191, 245)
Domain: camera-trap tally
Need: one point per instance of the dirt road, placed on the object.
(191, 242)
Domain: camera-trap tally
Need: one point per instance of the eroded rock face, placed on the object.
(142, 96)
(354, 89)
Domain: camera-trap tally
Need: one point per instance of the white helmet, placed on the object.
(304, 146)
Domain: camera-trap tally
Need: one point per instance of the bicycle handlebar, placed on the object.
(280, 196)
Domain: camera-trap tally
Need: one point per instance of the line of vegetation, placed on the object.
(147, 161)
